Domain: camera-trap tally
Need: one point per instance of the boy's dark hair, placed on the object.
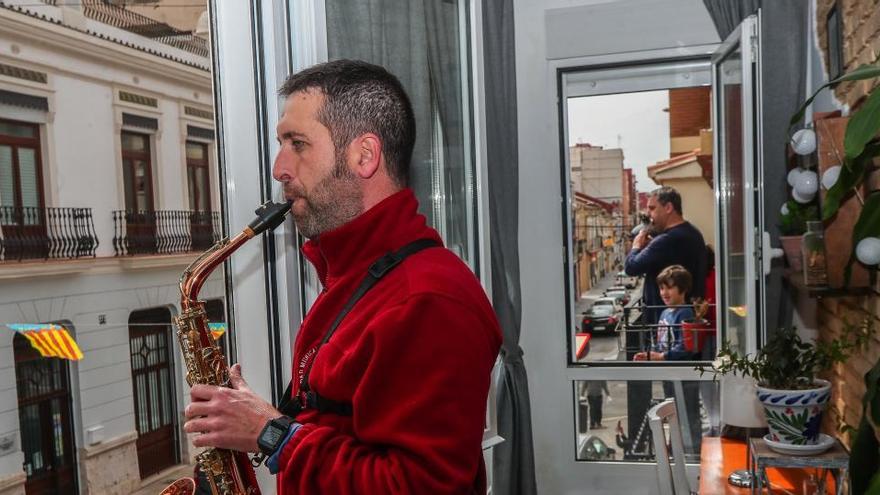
(360, 97)
(666, 195)
(676, 276)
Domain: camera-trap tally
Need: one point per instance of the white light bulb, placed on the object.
(803, 142)
(784, 210)
(802, 199)
(807, 184)
(829, 178)
(868, 251)
(792, 176)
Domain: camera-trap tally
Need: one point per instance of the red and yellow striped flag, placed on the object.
(50, 340)
(217, 330)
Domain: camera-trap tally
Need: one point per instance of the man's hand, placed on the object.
(227, 418)
(655, 356)
(641, 239)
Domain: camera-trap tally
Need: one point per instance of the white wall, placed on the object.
(547, 38)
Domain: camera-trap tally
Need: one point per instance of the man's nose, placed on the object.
(281, 169)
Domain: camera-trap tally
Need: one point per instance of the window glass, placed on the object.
(17, 130)
(7, 187)
(732, 199)
(424, 43)
(134, 142)
(195, 150)
(27, 167)
(612, 422)
(621, 147)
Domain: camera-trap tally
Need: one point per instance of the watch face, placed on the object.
(273, 435)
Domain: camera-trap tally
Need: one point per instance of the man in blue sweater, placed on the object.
(675, 242)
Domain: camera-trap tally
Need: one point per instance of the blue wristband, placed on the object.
(272, 461)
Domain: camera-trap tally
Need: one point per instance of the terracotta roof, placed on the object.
(609, 207)
(675, 161)
(171, 41)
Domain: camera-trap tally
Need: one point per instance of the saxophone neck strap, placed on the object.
(292, 406)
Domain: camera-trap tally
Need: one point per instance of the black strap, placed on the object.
(292, 406)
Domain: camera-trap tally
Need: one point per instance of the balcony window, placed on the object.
(136, 170)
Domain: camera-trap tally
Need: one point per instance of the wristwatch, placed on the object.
(273, 434)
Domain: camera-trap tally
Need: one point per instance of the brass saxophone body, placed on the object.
(228, 472)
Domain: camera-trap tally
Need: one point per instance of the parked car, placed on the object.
(626, 281)
(621, 295)
(600, 318)
(594, 449)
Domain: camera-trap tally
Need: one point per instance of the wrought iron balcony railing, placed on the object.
(34, 233)
(164, 231)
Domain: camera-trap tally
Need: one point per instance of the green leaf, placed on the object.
(866, 71)
(850, 177)
(868, 225)
(864, 459)
(862, 126)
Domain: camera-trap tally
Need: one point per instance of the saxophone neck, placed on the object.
(269, 216)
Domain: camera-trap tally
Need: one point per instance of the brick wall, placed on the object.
(861, 44)
(689, 111)
(861, 41)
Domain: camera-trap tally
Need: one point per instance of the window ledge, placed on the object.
(797, 281)
(11, 270)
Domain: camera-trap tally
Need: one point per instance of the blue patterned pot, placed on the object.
(794, 416)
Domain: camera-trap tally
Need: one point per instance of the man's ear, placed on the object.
(365, 155)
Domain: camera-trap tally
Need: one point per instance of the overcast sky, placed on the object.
(635, 122)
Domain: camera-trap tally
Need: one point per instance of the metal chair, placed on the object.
(671, 479)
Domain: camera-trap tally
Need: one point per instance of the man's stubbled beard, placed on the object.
(334, 201)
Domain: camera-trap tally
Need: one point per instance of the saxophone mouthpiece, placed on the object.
(269, 216)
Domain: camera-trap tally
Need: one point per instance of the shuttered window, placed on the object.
(20, 174)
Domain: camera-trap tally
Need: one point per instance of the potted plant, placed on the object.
(793, 220)
(786, 371)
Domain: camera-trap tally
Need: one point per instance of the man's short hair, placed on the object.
(676, 276)
(360, 97)
(666, 195)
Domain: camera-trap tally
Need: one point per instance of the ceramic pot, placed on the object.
(794, 416)
(694, 334)
(791, 245)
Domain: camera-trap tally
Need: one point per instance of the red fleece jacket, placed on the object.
(413, 357)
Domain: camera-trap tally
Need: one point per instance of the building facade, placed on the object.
(108, 190)
(599, 171)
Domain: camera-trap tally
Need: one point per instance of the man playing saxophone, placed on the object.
(391, 366)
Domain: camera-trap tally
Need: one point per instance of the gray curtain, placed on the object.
(418, 41)
(727, 14)
(784, 39)
(514, 463)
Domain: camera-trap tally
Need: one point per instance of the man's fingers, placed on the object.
(197, 425)
(202, 392)
(196, 409)
(235, 378)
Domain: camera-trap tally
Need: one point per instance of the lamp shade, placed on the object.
(739, 403)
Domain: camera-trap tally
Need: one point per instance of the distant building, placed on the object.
(597, 172)
(596, 240)
(628, 204)
(689, 168)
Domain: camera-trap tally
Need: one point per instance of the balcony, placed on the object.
(28, 233)
(145, 232)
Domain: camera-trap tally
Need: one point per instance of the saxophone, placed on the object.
(228, 472)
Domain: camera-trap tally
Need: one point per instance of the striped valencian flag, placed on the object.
(217, 330)
(49, 339)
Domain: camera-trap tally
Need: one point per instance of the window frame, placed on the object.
(130, 194)
(31, 143)
(191, 165)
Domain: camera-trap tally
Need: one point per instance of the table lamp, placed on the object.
(740, 407)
